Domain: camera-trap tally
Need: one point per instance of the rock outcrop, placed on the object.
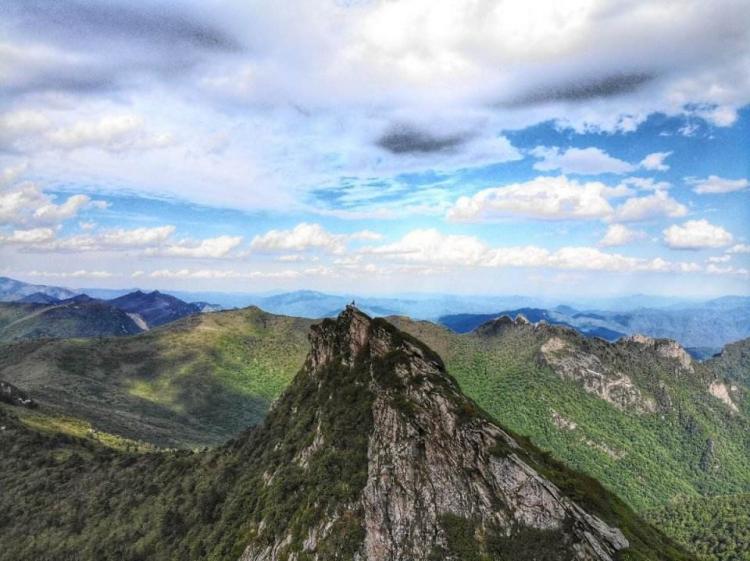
(12, 395)
(595, 375)
(440, 475)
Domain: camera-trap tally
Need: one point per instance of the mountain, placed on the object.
(733, 362)
(639, 414)
(372, 453)
(38, 298)
(79, 316)
(152, 309)
(463, 323)
(705, 328)
(12, 290)
(207, 307)
(194, 382)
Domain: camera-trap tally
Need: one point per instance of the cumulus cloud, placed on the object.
(27, 204)
(696, 234)
(655, 161)
(583, 161)
(306, 236)
(29, 132)
(645, 184)
(714, 184)
(545, 198)
(210, 248)
(714, 269)
(431, 247)
(739, 248)
(31, 236)
(434, 247)
(720, 258)
(618, 234)
(436, 252)
(652, 206)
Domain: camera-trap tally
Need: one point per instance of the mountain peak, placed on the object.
(416, 463)
(354, 336)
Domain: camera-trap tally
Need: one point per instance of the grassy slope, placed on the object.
(198, 381)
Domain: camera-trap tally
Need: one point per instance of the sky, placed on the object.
(585, 147)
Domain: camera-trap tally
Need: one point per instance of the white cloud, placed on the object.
(545, 198)
(714, 184)
(739, 248)
(696, 234)
(217, 274)
(136, 237)
(32, 236)
(714, 269)
(306, 236)
(651, 206)
(655, 161)
(32, 131)
(584, 161)
(210, 248)
(618, 234)
(27, 204)
(431, 247)
(646, 184)
(434, 247)
(720, 259)
(316, 100)
(110, 132)
(10, 174)
(81, 273)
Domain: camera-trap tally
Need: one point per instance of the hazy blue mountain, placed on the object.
(12, 290)
(38, 298)
(154, 308)
(703, 329)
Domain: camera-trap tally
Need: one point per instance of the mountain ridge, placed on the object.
(340, 469)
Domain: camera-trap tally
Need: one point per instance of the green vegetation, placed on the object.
(196, 382)
(79, 318)
(66, 497)
(717, 528)
(646, 458)
(201, 380)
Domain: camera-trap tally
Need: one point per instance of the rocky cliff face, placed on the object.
(440, 480)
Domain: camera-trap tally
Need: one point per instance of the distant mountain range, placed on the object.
(702, 330)
(12, 290)
(702, 327)
(41, 314)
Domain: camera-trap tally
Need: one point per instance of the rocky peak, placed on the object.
(427, 470)
(666, 348)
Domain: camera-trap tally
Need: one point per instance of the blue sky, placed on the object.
(578, 149)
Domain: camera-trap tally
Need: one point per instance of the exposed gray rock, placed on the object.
(432, 454)
(596, 377)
